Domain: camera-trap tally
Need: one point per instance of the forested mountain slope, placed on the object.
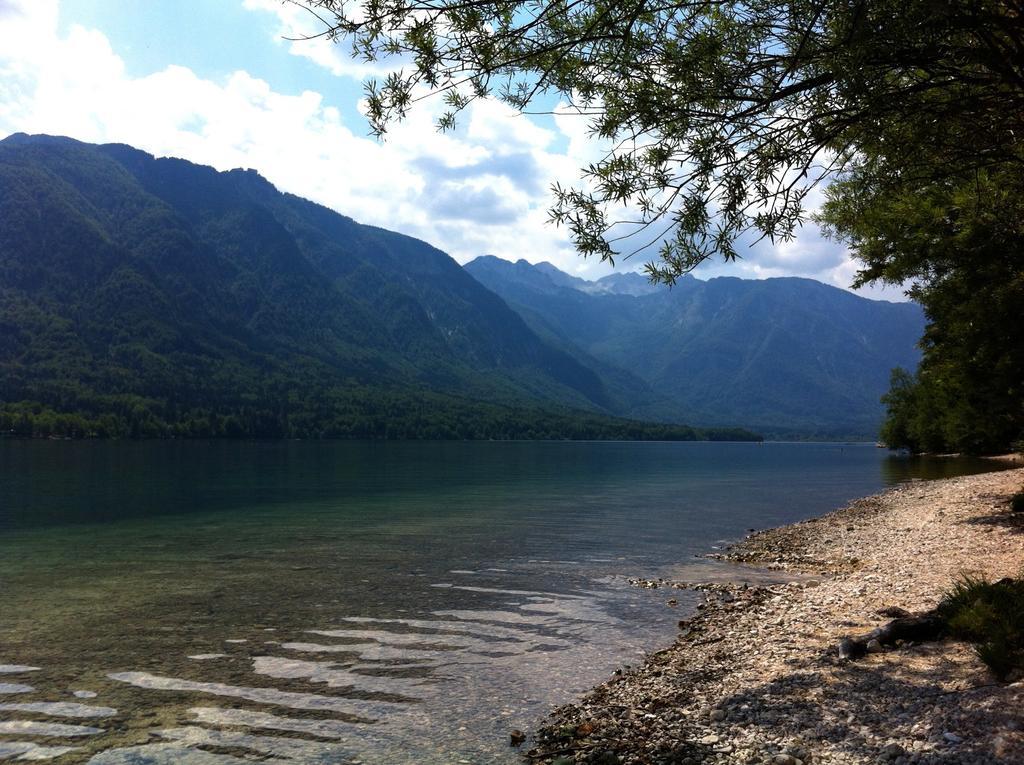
(792, 357)
(156, 296)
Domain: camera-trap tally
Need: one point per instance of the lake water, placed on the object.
(297, 602)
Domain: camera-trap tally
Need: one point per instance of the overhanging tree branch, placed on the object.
(719, 109)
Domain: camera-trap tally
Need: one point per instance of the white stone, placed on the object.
(36, 728)
(59, 709)
(15, 688)
(16, 669)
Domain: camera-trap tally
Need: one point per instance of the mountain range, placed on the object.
(792, 358)
(159, 297)
(152, 297)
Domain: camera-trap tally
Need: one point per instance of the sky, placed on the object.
(217, 82)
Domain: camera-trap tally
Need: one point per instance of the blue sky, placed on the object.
(215, 81)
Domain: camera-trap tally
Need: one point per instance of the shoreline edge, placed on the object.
(754, 676)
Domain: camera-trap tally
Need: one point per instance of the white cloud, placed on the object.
(482, 188)
(303, 33)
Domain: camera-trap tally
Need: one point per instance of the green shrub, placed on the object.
(989, 615)
(1017, 502)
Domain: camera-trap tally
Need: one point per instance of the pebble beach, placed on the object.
(755, 675)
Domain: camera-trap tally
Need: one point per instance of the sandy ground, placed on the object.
(755, 676)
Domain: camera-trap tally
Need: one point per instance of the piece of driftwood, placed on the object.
(917, 629)
(893, 612)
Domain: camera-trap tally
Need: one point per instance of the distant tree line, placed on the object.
(373, 415)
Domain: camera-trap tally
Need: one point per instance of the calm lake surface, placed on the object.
(297, 602)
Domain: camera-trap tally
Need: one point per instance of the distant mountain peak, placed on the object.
(630, 283)
(621, 283)
(39, 138)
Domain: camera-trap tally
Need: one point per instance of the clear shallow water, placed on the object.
(340, 602)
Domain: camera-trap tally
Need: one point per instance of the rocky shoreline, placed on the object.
(755, 676)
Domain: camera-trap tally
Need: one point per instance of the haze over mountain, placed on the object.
(790, 357)
(159, 292)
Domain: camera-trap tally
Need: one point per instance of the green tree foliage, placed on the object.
(722, 114)
(959, 242)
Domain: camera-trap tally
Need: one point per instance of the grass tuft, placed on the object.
(990, 616)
